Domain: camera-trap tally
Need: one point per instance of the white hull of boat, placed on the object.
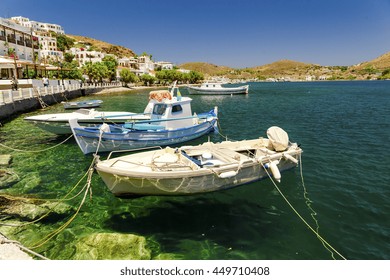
(59, 123)
(218, 91)
(174, 172)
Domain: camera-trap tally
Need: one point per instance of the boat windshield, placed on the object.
(159, 109)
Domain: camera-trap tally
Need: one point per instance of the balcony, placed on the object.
(20, 42)
(2, 38)
(11, 39)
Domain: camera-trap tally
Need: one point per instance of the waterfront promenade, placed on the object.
(13, 102)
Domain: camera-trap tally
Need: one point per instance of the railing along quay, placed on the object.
(10, 96)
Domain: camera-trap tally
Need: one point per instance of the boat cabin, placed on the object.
(173, 112)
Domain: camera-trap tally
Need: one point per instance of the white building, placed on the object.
(128, 62)
(310, 78)
(164, 65)
(14, 36)
(48, 49)
(17, 44)
(38, 26)
(83, 55)
(145, 65)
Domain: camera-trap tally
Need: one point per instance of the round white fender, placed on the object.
(227, 174)
(275, 171)
(290, 158)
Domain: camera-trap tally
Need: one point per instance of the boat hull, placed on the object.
(188, 183)
(59, 123)
(191, 170)
(218, 91)
(92, 140)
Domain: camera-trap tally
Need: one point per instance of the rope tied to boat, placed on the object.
(87, 189)
(326, 244)
(36, 151)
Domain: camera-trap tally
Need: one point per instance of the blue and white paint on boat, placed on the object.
(171, 122)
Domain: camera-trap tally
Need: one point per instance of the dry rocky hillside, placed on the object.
(105, 47)
(294, 70)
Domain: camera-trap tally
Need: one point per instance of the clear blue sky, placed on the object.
(233, 33)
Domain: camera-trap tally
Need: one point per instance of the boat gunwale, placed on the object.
(231, 166)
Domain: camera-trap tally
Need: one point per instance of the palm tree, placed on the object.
(12, 53)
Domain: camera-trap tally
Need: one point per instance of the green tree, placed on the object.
(369, 69)
(195, 77)
(68, 57)
(96, 71)
(72, 71)
(385, 75)
(111, 63)
(147, 79)
(63, 42)
(128, 77)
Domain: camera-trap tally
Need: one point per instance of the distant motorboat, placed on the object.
(200, 169)
(217, 88)
(82, 104)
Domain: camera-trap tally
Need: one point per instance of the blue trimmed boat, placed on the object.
(171, 122)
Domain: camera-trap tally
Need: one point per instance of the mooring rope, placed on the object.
(87, 188)
(54, 207)
(308, 202)
(323, 241)
(36, 151)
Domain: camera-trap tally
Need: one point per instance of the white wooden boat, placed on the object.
(217, 88)
(199, 169)
(171, 122)
(59, 123)
(82, 104)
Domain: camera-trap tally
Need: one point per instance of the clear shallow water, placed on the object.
(343, 127)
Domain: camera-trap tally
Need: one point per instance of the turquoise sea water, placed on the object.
(343, 129)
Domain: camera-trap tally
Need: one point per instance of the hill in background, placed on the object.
(102, 46)
(206, 68)
(294, 70)
(282, 69)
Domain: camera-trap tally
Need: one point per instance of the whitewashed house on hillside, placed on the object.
(38, 26)
(83, 55)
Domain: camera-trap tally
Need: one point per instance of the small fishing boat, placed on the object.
(171, 122)
(58, 123)
(200, 169)
(82, 104)
(217, 88)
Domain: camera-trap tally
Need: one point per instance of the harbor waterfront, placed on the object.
(343, 128)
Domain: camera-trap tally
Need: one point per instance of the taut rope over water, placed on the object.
(323, 241)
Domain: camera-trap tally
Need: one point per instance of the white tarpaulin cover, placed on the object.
(278, 138)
